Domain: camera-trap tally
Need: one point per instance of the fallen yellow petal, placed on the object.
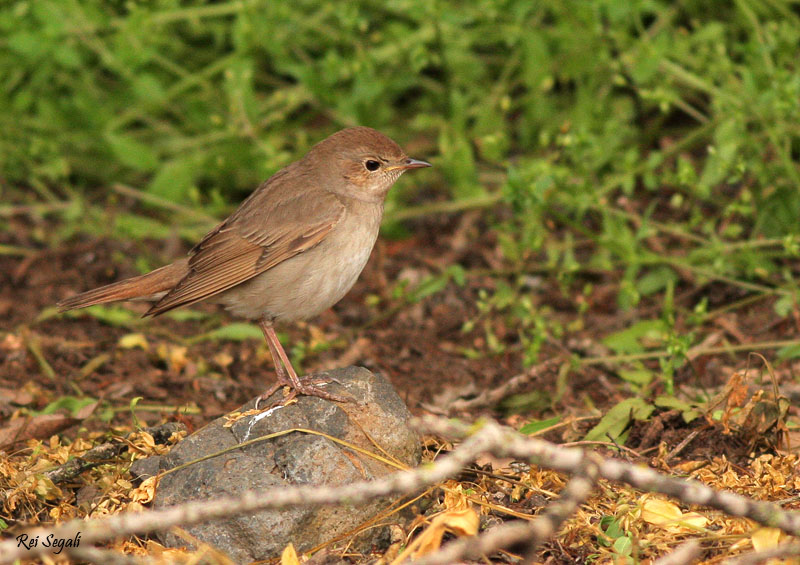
(669, 515)
(661, 512)
(289, 555)
(458, 522)
(129, 341)
(765, 538)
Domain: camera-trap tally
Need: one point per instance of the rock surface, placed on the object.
(294, 459)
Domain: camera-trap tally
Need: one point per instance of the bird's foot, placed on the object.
(307, 386)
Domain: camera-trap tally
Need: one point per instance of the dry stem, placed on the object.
(478, 439)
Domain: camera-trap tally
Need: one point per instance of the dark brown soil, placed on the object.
(418, 345)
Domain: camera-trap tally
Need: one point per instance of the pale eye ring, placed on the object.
(371, 165)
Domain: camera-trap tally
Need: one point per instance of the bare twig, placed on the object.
(504, 535)
(107, 556)
(681, 446)
(551, 456)
(515, 384)
(578, 489)
(686, 553)
(785, 550)
(531, 534)
(107, 527)
(489, 437)
(104, 452)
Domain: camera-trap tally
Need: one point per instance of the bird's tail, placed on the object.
(152, 286)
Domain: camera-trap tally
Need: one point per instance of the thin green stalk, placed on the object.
(174, 91)
(197, 12)
(164, 203)
(35, 347)
(696, 352)
(16, 250)
(691, 79)
(445, 207)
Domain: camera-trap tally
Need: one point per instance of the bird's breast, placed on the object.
(308, 283)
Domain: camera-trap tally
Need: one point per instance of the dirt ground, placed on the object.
(420, 346)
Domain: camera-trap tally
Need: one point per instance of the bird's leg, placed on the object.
(283, 379)
(287, 375)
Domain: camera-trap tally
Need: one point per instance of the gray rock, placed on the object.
(142, 469)
(293, 459)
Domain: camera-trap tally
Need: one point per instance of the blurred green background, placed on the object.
(606, 121)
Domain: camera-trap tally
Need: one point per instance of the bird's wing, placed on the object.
(271, 226)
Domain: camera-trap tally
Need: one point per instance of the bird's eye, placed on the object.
(372, 165)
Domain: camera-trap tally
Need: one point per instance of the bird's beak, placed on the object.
(410, 164)
(415, 164)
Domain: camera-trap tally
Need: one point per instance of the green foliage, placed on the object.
(578, 112)
(533, 323)
(689, 411)
(582, 101)
(176, 96)
(637, 337)
(433, 284)
(693, 107)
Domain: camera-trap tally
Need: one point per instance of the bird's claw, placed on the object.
(306, 386)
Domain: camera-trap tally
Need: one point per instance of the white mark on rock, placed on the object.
(257, 418)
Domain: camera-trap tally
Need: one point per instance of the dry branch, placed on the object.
(106, 452)
(568, 460)
(687, 552)
(477, 439)
(492, 396)
(107, 527)
(756, 557)
(529, 534)
(108, 556)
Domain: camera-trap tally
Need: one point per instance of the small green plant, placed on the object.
(613, 536)
(530, 323)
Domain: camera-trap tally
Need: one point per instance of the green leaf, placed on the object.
(136, 226)
(174, 179)
(111, 315)
(789, 352)
(132, 153)
(639, 377)
(630, 340)
(533, 427)
(132, 407)
(429, 286)
(784, 305)
(148, 88)
(231, 332)
(623, 545)
(616, 422)
(72, 404)
(186, 315)
(689, 411)
(656, 280)
(458, 274)
(611, 530)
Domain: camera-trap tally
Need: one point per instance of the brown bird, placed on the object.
(292, 249)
